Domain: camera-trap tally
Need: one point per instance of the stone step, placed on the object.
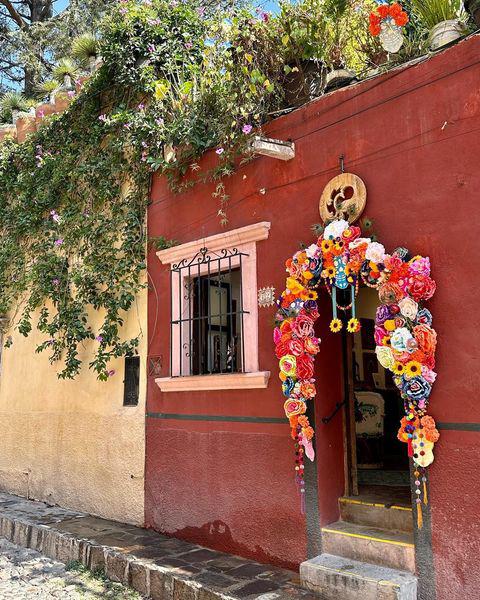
(370, 544)
(337, 578)
(376, 514)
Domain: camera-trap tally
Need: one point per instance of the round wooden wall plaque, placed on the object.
(344, 197)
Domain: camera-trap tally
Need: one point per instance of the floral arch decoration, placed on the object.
(341, 259)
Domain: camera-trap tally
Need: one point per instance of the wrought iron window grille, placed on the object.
(207, 314)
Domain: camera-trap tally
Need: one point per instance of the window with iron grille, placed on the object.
(207, 321)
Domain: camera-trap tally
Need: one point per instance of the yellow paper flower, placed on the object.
(398, 368)
(412, 369)
(385, 356)
(309, 295)
(329, 272)
(353, 325)
(294, 285)
(389, 325)
(326, 245)
(336, 325)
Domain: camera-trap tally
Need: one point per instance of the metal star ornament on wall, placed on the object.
(266, 296)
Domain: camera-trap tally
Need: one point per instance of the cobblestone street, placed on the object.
(26, 574)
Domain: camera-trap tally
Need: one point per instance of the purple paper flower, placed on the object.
(59, 242)
(383, 314)
(220, 151)
(55, 216)
(247, 129)
(188, 45)
(40, 113)
(111, 373)
(70, 93)
(56, 282)
(102, 118)
(99, 338)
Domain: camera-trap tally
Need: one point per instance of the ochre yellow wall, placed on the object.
(72, 443)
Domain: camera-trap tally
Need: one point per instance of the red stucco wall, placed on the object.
(413, 135)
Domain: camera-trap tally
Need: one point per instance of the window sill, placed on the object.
(226, 381)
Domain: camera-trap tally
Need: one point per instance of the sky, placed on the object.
(268, 5)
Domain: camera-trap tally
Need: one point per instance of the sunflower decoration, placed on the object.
(335, 325)
(353, 325)
(412, 369)
(398, 368)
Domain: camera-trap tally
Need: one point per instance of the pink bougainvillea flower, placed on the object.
(59, 242)
(220, 151)
(99, 338)
(247, 129)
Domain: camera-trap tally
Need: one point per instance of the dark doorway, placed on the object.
(378, 461)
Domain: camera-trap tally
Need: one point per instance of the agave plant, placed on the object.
(85, 49)
(433, 12)
(65, 71)
(47, 88)
(14, 101)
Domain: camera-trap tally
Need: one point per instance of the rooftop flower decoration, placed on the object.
(387, 13)
(386, 21)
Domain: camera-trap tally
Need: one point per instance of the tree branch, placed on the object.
(13, 13)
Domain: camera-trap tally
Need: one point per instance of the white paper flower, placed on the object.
(375, 252)
(313, 251)
(335, 229)
(400, 338)
(385, 356)
(408, 308)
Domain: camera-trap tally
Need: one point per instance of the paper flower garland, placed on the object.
(405, 340)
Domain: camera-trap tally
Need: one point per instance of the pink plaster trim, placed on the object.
(225, 381)
(227, 239)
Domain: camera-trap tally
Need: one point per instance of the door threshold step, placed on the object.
(370, 544)
(335, 577)
(376, 514)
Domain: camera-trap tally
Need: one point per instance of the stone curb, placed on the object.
(146, 578)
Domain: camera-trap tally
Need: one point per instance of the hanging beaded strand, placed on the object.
(299, 472)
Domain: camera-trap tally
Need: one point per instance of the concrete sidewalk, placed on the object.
(156, 566)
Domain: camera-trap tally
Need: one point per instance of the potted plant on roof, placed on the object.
(444, 19)
(338, 39)
(473, 9)
(301, 30)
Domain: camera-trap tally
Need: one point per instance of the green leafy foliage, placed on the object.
(432, 12)
(72, 204)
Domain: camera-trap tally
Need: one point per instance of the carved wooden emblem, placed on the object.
(344, 197)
